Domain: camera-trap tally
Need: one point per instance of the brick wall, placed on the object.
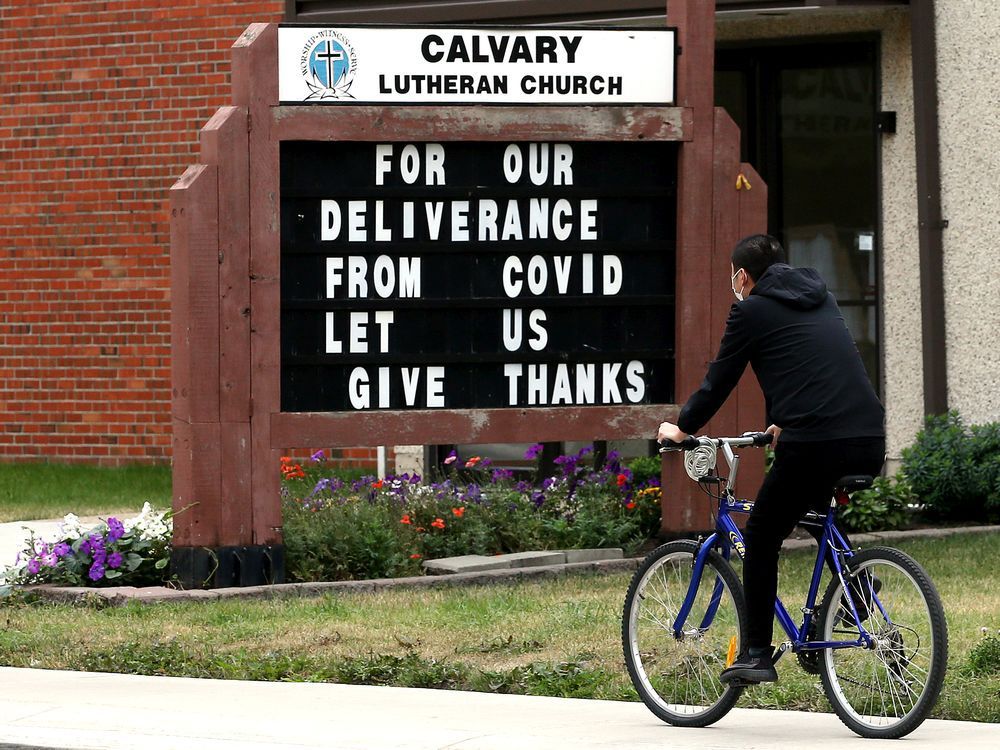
(100, 107)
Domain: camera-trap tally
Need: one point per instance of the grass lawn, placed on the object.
(557, 637)
(38, 491)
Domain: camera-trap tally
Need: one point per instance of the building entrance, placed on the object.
(808, 117)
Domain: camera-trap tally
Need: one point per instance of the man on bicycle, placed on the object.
(824, 414)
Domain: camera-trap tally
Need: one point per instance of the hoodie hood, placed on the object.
(800, 288)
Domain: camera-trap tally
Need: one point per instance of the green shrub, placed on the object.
(883, 507)
(954, 470)
(984, 658)
(645, 469)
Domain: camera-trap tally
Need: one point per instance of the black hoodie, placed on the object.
(793, 335)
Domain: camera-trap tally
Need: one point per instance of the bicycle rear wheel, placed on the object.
(677, 676)
(888, 690)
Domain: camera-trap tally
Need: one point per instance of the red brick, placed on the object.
(87, 153)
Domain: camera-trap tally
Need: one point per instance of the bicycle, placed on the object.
(878, 639)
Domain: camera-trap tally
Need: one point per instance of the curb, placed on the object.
(122, 595)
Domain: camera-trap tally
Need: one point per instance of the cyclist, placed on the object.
(824, 414)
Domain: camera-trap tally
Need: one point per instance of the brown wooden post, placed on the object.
(194, 272)
(255, 86)
(709, 223)
(214, 537)
(224, 144)
(683, 505)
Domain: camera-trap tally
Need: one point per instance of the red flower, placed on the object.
(622, 479)
(472, 462)
(292, 471)
(438, 523)
(630, 505)
(377, 485)
(415, 556)
(406, 519)
(459, 512)
(286, 460)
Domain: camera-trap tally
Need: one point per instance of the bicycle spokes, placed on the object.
(886, 689)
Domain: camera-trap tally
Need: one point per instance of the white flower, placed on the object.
(71, 525)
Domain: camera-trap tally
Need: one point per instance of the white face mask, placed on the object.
(732, 282)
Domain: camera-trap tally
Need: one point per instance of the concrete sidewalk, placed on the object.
(54, 709)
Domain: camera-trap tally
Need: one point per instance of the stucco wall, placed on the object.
(901, 328)
(969, 93)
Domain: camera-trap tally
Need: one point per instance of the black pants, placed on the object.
(801, 479)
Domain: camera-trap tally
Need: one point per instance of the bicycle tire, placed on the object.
(692, 663)
(887, 691)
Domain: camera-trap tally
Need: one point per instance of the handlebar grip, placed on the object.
(763, 438)
(687, 444)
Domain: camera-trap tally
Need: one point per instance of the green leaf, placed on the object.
(161, 563)
(112, 574)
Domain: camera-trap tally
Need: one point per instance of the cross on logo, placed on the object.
(330, 57)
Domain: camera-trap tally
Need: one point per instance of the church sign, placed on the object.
(403, 235)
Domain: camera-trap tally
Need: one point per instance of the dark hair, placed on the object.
(756, 254)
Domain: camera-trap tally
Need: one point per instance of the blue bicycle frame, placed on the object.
(727, 537)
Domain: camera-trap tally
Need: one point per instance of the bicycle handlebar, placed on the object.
(758, 439)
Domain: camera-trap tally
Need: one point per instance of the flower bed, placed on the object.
(342, 529)
(133, 552)
(371, 528)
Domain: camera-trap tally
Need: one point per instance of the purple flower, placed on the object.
(322, 484)
(533, 451)
(522, 486)
(415, 479)
(62, 549)
(85, 547)
(500, 475)
(50, 560)
(116, 530)
(484, 463)
(538, 499)
(318, 455)
(473, 493)
(364, 483)
(451, 458)
(34, 565)
(568, 464)
(96, 572)
(115, 560)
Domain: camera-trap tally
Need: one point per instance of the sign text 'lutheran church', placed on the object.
(466, 274)
(482, 66)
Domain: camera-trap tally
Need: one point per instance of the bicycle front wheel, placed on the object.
(885, 691)
(676, 670)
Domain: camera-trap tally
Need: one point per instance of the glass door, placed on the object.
(807, 112)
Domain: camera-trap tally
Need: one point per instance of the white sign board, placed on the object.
(448, 65)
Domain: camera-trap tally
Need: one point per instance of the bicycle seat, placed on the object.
(854, 482)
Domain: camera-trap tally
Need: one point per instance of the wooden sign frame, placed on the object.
(229, 430)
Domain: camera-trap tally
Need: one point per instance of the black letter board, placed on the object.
(466, 275)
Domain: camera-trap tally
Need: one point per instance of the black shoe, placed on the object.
(750, 670)
(860, 592)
